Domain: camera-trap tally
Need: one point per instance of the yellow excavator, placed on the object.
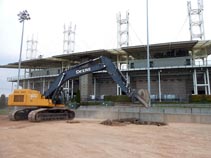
(37, 107)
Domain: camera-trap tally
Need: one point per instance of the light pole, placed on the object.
(24, 15)
(148, 60)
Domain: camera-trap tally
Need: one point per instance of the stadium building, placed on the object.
(177, 70)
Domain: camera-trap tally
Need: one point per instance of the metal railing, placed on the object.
(195, 64)
(24, 77)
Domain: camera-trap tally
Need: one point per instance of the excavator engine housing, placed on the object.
(29, 98)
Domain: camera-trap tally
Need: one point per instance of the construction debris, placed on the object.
(122, 122)
(113, 123)
(73, 121)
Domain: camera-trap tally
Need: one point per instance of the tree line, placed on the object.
(3, 101)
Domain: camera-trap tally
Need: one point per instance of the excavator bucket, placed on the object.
(143, 97)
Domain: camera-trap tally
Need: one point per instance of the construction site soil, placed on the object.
(85, 138)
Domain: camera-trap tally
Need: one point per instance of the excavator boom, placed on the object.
(98, 64)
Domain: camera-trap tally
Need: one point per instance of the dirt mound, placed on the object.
(121, 122)
(73, 121)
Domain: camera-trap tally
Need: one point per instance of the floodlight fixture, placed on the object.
(24, 15)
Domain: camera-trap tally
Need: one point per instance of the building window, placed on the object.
(187, 61)
(132, 65)
(151, 64)
(59, 71)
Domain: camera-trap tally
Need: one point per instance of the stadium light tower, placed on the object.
(24, 15)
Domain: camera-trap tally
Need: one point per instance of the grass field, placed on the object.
(4, 111)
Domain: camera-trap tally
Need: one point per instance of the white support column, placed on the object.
(72, 86)
(33, 85)
(118, 90)
(205, 83)
(159, 86)
(127, 74)
(68, 88)
(24, 84)
(43, 86)
(28, 84)
(208, 81)
(48, 84)
(95, 87)
(12, 87)
(195, 82)
(128, 78)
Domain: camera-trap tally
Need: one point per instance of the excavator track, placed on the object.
(47, 114)
(20, 114)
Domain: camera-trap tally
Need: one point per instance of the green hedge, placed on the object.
(90, 103)
(4, 111)
(119, 98)
(200, 98)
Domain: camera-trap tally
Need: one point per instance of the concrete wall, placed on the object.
(186, 115)
(86, 86)
(171, 88)
(162, 62)
(106, 87)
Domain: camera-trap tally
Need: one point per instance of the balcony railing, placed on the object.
(23, 77)
(195, 64)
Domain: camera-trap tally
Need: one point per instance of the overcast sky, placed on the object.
(96, 26)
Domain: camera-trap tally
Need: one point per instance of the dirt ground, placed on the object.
(90, 139)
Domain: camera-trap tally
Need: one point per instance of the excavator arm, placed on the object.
(98, 64)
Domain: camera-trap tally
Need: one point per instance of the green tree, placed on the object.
(78, 96)
(3, 101)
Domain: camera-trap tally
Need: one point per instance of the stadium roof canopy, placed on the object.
(199, 49)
